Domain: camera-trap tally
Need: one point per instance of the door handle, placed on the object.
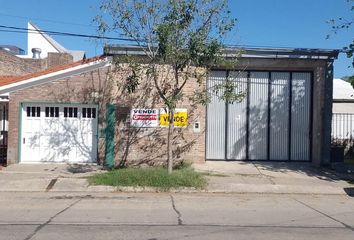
(24, 140)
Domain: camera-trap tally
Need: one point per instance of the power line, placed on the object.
(12, 29)
(44, 20)
(25, 30)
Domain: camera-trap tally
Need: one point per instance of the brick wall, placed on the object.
(149, 145)
(57, 59)
(144, 145)
(68, 90)
(16, 66)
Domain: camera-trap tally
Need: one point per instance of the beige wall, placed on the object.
(149, 145)
(343, 107)
(143, 145)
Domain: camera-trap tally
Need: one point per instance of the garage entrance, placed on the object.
(58, 133)
(272, 122)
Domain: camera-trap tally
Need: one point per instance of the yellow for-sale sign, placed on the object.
(180, 117)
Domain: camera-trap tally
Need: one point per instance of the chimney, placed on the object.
(36, 53)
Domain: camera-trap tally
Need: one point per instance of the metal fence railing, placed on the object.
(342, 137)
(342, 126)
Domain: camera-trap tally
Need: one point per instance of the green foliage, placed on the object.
(350, 51)
(179, 33)
(226, 91)
(178, 38)
(151, 177)
(351, 80)
(344, 23)
(132, 81)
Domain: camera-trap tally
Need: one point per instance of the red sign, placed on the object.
(144, 118)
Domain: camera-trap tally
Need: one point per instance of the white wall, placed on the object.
(37, 40)
(343, 107)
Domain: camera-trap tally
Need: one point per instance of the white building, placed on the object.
(343, 110)
(343, 96)
(42, 41)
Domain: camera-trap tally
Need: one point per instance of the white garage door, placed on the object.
(59, 133)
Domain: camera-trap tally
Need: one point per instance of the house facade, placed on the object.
(343, 112)
(79, 112)
(43, 53)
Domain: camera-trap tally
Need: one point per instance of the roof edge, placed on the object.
(49, 75)
(237, 51)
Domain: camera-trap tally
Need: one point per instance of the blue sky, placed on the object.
(270, 23)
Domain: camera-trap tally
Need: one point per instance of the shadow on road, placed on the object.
(305, 168)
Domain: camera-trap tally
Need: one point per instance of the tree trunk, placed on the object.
(169, 141)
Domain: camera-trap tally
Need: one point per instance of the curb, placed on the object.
(109, 189)
(63, 184)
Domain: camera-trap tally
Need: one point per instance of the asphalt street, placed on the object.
(48, 215)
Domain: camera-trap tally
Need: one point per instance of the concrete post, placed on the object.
(327, 114)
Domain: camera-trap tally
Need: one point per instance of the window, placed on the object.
(70, 112)
(52, 111)
(89, 112)
(33, 111)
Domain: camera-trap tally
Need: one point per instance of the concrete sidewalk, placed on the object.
(274, 177)
(50, 177)
(223, 177)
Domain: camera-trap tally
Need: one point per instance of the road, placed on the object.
(63, 215)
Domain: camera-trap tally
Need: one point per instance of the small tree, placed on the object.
(341, 24)
(178, 37)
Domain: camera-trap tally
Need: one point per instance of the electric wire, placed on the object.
(12, 29)
(45, 20)
(26, 30)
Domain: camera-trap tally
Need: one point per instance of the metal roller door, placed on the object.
(59, 133)
(300, 116)
(258, 116)
(273, 121)
(279, 116)
(216, 119)
(236, 120)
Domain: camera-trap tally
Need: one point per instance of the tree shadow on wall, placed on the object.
(92, 87)
(145, 146)
(133, 146)
(65, 140)
(279, 140)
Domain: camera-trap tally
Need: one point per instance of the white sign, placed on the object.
(144, 117)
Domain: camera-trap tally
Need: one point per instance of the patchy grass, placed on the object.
(150, 177)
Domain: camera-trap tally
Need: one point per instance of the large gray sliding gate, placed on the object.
(272, 122)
